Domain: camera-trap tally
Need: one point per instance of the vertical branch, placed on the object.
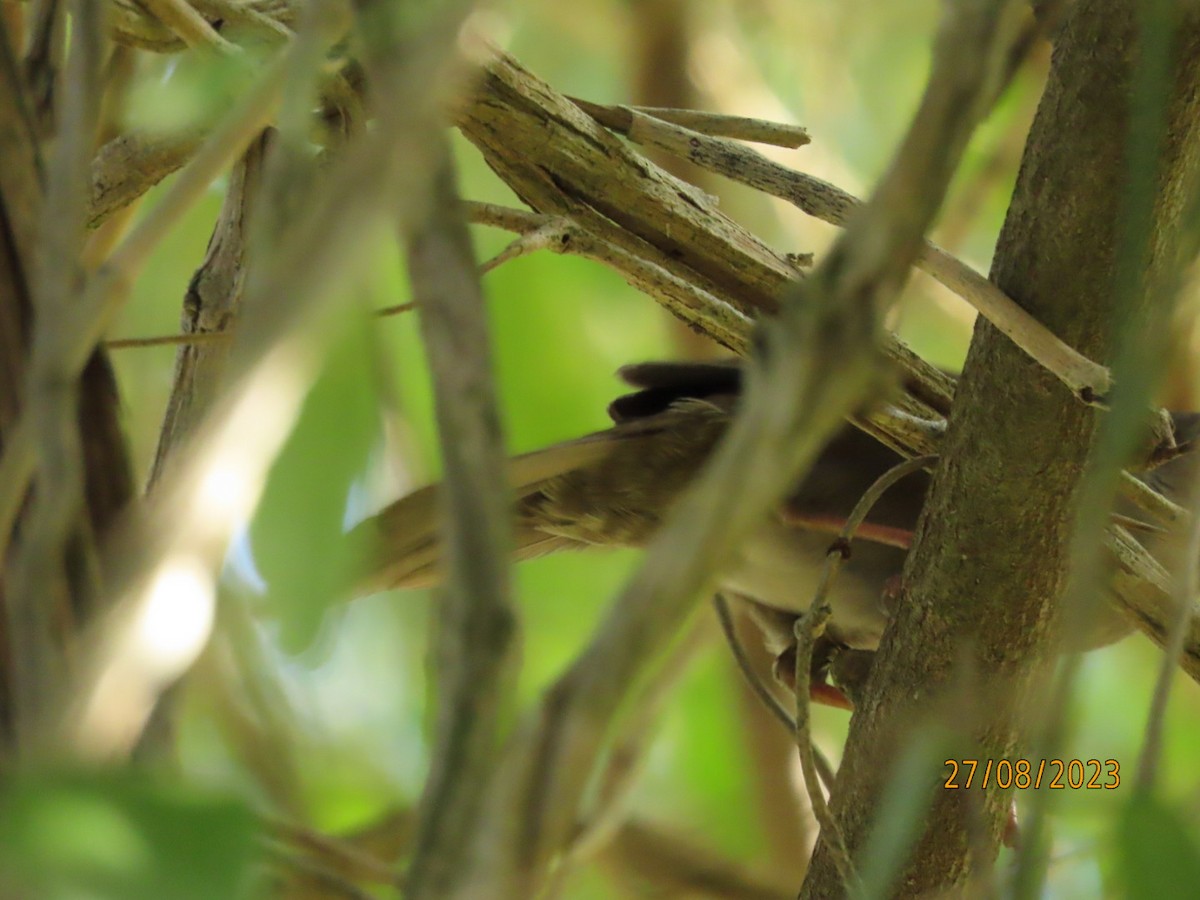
(989, 566)
(475, 643)
(476, 639)
(631, 746)
(210, 305)
(46, 586)
(20, 178)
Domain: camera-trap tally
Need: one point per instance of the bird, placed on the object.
(616, 487)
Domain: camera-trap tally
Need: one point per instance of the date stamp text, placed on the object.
(1023, 774)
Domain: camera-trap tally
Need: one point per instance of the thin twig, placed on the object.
(1150, 500)
(394, 310)
(191, 27)
(840, 550)
(1133, 524)
(519, 221)
(806, 630)
(187, 338)
(759, 131)
(210, 304)
(688, 298)
(760, 689)
(810, 626)
(542, 238)
(207, 337)
(1186, 588)
(865, 503)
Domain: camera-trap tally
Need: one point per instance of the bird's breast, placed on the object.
(780, 566)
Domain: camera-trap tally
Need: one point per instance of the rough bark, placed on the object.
(990, 563)
(108, 481)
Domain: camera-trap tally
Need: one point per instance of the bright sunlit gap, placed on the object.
(170, 627)
(176, 616)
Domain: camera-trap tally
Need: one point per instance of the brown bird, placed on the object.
(615, 488)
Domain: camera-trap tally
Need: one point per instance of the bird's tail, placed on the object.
(401, 546)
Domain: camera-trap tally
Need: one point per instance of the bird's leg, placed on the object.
(820, 690)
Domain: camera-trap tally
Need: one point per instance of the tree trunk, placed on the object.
(990, 562)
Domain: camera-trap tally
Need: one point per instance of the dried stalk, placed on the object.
(653, 228)
(1185, 590)
(209, 309)
(740, 128)
(479, 624)
(1089, 380)
(129, 165)
(188, 25)
(139, 25)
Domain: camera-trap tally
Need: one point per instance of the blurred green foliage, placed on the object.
(1157, 853)
(97, 835)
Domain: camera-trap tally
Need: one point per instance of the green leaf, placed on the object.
(100, 835)
(297, 531)
(1158, 856)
